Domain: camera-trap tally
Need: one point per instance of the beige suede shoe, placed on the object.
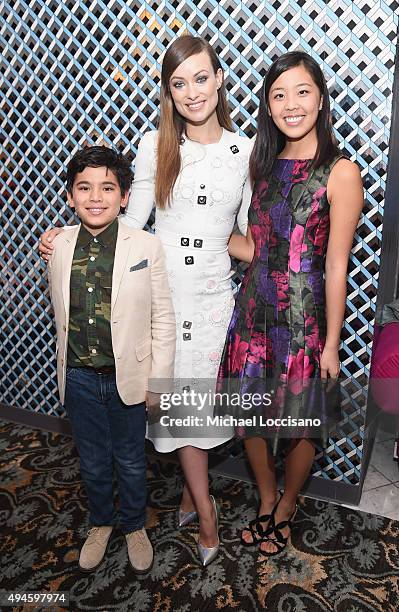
(93, 550)
(139, 548)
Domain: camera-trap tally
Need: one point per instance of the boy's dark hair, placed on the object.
(95, 157)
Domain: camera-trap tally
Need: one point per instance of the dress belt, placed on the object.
(192, 243)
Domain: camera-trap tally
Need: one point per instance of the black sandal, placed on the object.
(279, 541)
(256, 529)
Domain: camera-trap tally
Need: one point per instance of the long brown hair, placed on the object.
(172, 125)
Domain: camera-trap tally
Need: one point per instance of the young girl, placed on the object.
(285, 328)
(194, 168)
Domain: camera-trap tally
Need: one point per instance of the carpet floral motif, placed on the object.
(339, 559)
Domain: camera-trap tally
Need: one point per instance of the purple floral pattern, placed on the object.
(278, 328)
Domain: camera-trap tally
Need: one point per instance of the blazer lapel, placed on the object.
(122, 249)
(70, 237)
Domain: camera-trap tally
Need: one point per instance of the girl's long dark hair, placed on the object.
(270, 141)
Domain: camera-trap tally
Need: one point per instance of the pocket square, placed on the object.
(142, 264)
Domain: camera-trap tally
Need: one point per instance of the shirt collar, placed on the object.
(106, 238)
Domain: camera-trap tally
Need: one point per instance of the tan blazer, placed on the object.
(142, 319)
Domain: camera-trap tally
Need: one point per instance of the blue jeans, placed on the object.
(108, 432)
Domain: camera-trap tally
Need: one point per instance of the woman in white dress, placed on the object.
(194, 168)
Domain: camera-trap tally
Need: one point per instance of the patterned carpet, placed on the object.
(339, 559)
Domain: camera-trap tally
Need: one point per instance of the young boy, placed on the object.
(116, 337)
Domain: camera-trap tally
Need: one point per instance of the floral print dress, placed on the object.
(278, 327)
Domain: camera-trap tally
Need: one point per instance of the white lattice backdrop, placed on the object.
(89, 71)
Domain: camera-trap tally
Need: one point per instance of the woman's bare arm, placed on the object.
(345, 194)
(242, 247)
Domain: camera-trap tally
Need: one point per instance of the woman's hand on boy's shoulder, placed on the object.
(46, 246)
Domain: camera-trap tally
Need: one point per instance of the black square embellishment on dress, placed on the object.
(185, 241)
(186, 336)
(189, 260)
(234, 149)
(186, 388)
(198, 243)
(201, 200)
(187, 324)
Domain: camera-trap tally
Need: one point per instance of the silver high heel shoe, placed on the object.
(184, 518)
(207, 555)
